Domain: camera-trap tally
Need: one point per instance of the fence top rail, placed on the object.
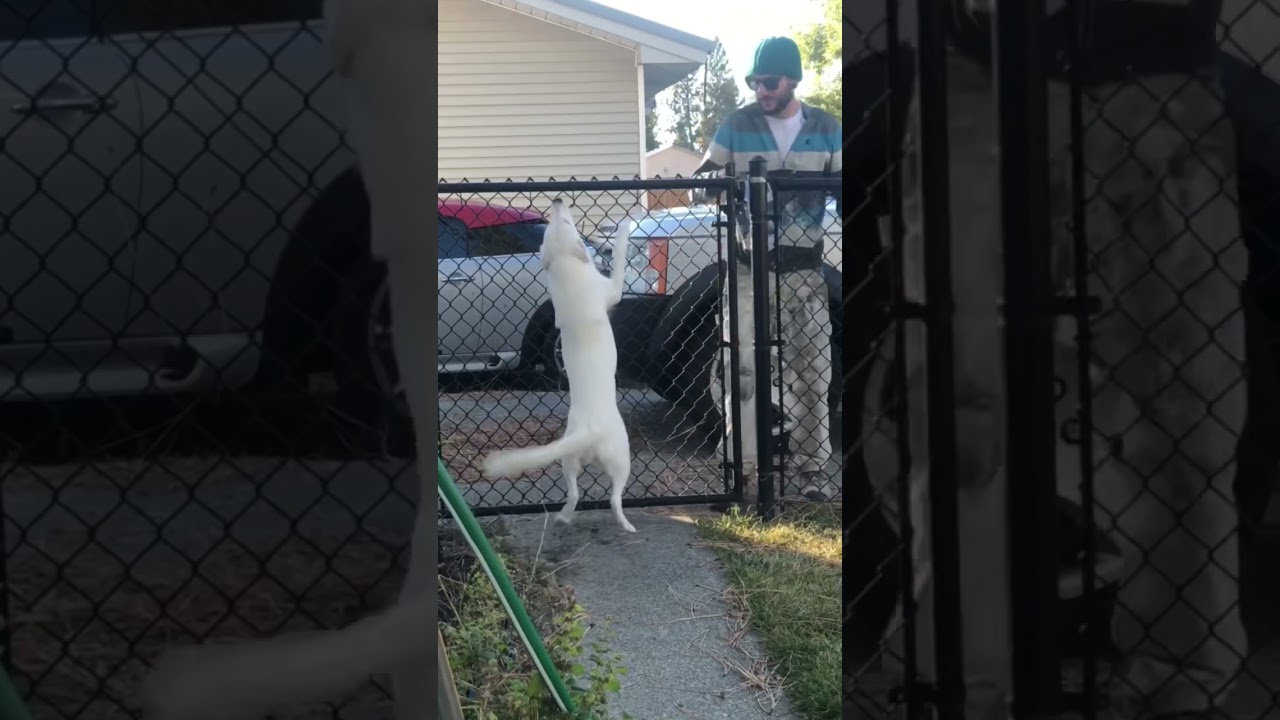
(790, 183)
(547, 186)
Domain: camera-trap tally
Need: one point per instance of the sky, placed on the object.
(738, 28)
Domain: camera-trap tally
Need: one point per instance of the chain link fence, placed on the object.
(794, 309)
(879, 78)
(194, 344)
(1142, 577)
(496, 312)
(180, 222)
(1163, 191)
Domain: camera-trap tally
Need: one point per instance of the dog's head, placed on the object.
(561, 241)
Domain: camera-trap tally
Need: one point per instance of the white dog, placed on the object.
(582, 299)
(377, 47)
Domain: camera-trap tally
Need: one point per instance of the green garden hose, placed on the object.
(11, 705)
(502, 584)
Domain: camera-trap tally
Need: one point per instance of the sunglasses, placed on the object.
(767, 83)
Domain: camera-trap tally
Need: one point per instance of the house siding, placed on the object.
(522, 98)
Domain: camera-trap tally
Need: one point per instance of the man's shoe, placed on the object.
(816, 487)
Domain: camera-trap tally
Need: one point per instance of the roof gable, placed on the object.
(653, 41)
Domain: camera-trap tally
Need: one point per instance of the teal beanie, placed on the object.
(777, 56)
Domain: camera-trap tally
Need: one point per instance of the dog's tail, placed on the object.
(505, 463)
(249, 680)
(618, 275)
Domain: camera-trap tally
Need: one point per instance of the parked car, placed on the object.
(494, 308)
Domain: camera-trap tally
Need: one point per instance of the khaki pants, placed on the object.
(805, 360)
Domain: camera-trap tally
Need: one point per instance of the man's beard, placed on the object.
(781, 103)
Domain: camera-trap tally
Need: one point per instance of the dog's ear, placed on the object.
(580, 252)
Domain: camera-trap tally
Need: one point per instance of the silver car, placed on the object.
(180, 214)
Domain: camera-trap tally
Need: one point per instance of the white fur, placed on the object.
(378, 48)
(249, 680)
(582, 298)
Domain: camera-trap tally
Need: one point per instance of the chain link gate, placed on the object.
(1151, 122)
(667, 328)
(1122, 155)
(1136, 283)
(901, 610)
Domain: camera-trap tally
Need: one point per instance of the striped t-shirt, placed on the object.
(745, 135)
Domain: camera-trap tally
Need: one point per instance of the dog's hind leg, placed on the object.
(619, 470)
(571, 466)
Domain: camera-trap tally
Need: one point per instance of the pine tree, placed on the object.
(651, 130)
(820, 46)
(686, 113)
(720, 93)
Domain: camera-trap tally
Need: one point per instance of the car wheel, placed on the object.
(370, 403)
(551, 359)
(682, 377)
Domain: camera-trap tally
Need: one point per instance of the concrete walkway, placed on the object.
(687, 655)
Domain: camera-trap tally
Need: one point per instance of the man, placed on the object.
(796, 140)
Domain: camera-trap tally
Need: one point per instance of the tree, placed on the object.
(720, 93)
(686, 113)
(651, 130)
(820, 45)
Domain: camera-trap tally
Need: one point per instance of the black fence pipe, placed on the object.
(778, 419)
(643, 502)
(1022, 99)
(734, 371)
(785, 184)
(1084, 339)
(6, 619)
(912, 697)
(722, 184)
(935, 190)
(758, 202)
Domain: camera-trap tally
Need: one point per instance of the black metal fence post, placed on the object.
(759, 206)
(1084, 343)
(734, 196)
(935, 190)
(1022, 100)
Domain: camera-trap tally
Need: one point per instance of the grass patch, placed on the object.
(785, 576)
(496, 678)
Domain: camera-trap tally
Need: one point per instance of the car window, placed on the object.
(453, 239)
(45, 19)
(151, 15)
(516, 239)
